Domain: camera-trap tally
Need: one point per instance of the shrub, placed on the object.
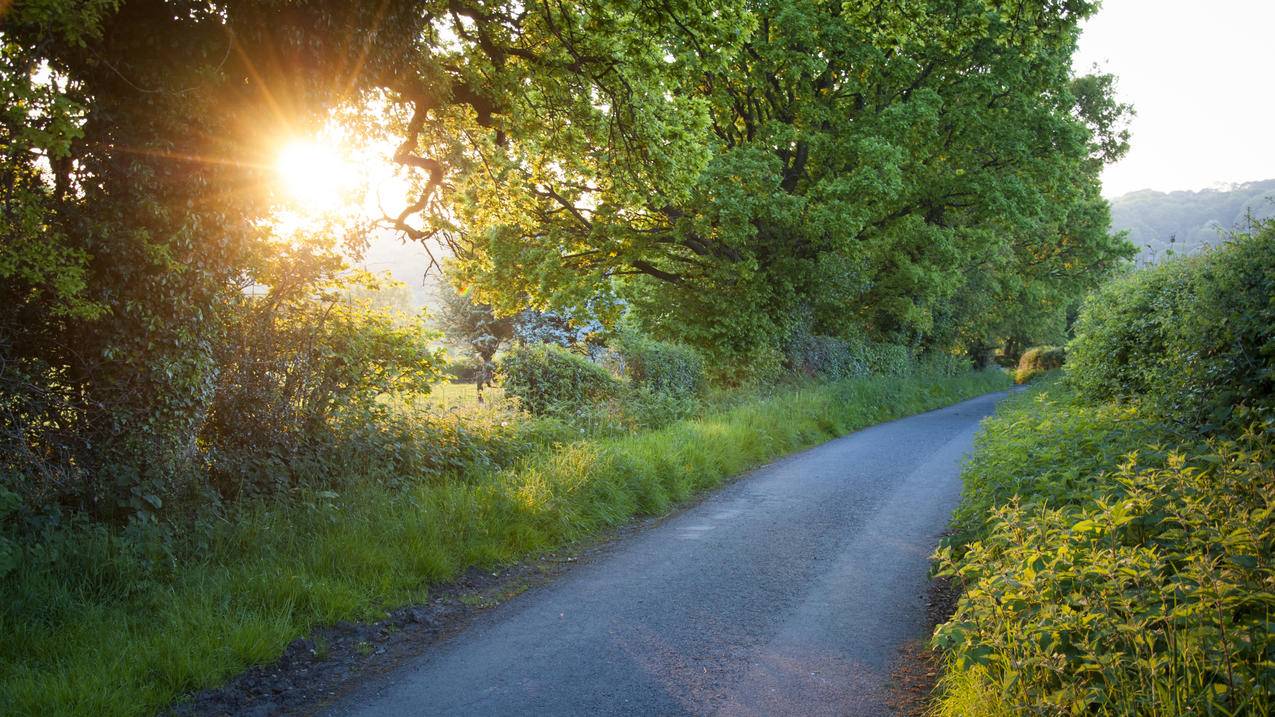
(1110, 586)
(826, 357)
(1038, 361)
(1195, 336)
(1122, 332)
(888, 359)
(661, 366)
(547, 378)
(290, 367)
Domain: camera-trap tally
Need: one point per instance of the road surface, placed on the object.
(787, 592)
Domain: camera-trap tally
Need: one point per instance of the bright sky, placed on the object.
(1200, 76)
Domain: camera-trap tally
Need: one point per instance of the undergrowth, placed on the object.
(1110, 567)
(93, 628)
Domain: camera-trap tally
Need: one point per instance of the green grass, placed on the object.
(88, 633)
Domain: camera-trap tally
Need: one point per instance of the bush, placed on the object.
(1037, 361)
(1122, 332)
(547, 378)
(661, 366)
(290, 367)
(887, 359)
(1194, 336)
(1104, 580)
(826, 357)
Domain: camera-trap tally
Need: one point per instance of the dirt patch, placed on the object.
(316, 670)
(917, 668)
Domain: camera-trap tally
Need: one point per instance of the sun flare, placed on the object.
(314, 175)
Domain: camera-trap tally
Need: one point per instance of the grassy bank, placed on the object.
(96, 636)
(1111, 566)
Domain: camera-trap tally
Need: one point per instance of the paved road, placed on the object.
(787, 592)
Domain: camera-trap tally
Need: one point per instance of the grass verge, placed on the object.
(90, 635)
(1110, 567)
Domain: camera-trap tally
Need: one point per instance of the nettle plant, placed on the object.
(1153, 598)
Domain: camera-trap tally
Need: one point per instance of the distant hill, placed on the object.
(1183, 222)
(406, 262)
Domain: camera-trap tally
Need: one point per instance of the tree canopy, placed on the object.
(730, 171)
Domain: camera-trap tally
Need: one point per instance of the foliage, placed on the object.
(908, 203)
(239, 590)
(297, 360)
(1037, 361)
(824, 357)
(1047, 447)
(547, 378)
(888, 359)
(1194, 336)
(1110, 585)
(660, 366)
(133, 152)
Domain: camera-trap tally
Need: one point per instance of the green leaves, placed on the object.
(1187, 337)
(1137, 587)
(754, 147)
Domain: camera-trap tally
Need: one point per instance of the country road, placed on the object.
(787, 592)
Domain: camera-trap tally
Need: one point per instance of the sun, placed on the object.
(315, 176)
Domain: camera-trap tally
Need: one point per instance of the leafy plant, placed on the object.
(297, 360)
(1037, 361)
(660, 366)
(1106, 574)
(547, 378)
(826, 357)
(1194, 336)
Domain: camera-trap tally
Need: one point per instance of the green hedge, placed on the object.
(1038, 361)
(547, 378)
(1194, 336)
(661, 366)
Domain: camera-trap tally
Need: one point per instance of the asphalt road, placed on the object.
(787, 592)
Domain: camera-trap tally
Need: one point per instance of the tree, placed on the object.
(739, 167)
(474, 329)
(135, 143)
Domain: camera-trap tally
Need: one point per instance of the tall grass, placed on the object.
(97, 635)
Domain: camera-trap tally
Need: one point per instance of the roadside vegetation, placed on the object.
(1116, 539)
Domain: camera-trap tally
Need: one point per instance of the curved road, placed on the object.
(787, 592)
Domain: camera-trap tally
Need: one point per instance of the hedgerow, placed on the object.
(1038, 361)
(1107, 580)
(548, 378)
(661, 366)
(1194, 337)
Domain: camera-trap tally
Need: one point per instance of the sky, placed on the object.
(1200, 76)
